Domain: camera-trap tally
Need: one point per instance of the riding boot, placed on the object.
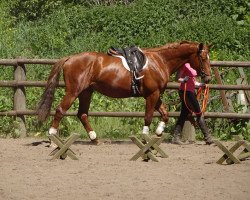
(177, 134)
(205, 131)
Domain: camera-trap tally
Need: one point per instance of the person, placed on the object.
(187, 75)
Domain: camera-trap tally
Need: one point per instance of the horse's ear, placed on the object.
(210, 46)
(201, 45)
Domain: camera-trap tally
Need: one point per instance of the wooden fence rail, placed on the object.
(19, 83)
(130, 114)
(18, 61)
(171, 85)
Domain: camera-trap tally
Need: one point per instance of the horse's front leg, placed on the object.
(67, 101)
(161, 108)
(151, 102)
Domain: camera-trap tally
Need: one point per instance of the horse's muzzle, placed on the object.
(206, 79)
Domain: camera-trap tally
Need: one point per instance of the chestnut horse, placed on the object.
(92, 71)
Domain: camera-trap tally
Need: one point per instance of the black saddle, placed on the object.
(133, 55)
(135, 59)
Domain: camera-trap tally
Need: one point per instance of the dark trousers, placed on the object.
(192, 104)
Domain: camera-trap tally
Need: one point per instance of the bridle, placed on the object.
(203, 74)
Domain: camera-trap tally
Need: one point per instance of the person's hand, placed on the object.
(186, 79)
(202, 84)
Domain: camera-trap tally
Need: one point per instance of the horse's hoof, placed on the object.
(96, 142)
(62, 157)
(146, 159)
(52, 145)
(158, 135)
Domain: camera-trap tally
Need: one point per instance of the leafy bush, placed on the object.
(53, 29)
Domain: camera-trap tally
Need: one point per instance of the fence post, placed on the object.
(224, 99)
(20, 98)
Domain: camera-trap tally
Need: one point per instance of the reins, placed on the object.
(205, 98)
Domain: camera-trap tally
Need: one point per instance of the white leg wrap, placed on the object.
(92, 135)
(52, 131)
(160, 128)
(145, 130)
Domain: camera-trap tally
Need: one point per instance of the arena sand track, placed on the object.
(105, 172)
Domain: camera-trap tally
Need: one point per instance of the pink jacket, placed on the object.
(187, 70)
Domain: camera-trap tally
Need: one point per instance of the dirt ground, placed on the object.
(105, 172)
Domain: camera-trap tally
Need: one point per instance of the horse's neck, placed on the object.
(176, 58)
(175, 63)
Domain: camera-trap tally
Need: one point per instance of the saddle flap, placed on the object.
(134, 56)
(133, 60)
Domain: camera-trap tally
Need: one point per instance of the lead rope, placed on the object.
(205, 98)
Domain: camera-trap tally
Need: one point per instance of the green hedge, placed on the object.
(53, 29)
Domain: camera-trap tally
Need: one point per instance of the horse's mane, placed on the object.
(173, 45)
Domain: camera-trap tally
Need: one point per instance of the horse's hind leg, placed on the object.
(84, 103)
(161, 108)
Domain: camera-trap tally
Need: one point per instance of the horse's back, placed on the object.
(101, 72)
(85, 59)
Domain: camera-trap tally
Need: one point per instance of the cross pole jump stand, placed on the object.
(149, 147)
(62, 150)
(228, 156)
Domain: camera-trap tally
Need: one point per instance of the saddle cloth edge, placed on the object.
(125, 64)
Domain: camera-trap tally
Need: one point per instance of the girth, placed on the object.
(136, 60)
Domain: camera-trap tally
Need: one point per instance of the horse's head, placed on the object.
(201, 63)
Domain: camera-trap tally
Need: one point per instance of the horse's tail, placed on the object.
(45, 104)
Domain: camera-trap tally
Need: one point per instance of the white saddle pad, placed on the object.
(125, 64)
